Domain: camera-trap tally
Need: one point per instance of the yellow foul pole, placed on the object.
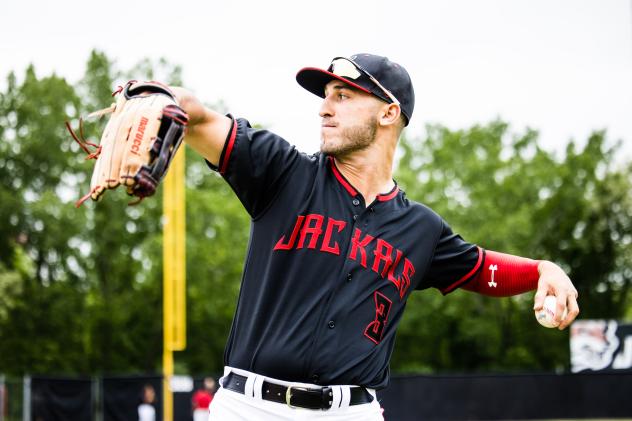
(174, 274)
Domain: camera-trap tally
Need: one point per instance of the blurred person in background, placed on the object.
(202, 399)
(146, 410)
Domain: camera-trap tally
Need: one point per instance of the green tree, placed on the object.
(503, 191)
(81, 289)
(587, 225)
(38, 180)
(88, 302)
(217, 234)
(125, 302)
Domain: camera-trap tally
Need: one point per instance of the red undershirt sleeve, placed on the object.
(504, 275)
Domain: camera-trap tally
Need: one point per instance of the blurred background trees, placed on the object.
(80, 289)
(501, 190)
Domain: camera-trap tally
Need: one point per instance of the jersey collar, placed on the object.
(352, 190)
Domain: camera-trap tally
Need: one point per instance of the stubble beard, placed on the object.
(351, 139)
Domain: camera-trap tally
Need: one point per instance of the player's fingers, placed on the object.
(540, 295)
(573, 311)
(560, 307)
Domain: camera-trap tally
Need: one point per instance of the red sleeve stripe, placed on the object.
(230, 142)
(467, 276)
(341, 178)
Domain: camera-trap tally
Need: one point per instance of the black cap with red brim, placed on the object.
(369, 73)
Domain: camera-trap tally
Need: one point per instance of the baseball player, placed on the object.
(336, 249)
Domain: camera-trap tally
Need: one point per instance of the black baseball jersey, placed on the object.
(326, 277)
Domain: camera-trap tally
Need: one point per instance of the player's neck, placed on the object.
(370, 171)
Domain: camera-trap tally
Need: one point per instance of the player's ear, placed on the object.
(389, 114)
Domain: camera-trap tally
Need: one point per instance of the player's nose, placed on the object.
(326, 110)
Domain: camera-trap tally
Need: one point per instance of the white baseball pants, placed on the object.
(232, 406)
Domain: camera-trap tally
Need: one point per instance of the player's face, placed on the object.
(349, 119)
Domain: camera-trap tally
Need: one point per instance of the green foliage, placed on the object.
(502, 191)
(81, 289)
(217, 229)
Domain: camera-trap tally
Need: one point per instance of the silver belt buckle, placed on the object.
(288, 395)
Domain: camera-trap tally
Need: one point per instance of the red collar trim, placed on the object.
(341, 178)
(388, 196)
(352, 191)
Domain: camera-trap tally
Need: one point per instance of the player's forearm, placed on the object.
(208, 136)
(207, 130)
(504, 275)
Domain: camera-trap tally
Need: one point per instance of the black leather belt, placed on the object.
(299, 397)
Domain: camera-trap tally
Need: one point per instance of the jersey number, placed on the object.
(375, 329)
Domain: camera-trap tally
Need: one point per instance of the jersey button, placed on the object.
(331, 324)
(349, 277)
(355, 217)
(355, 202)
(315, 378)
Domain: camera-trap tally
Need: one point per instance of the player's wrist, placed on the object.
(545, 266)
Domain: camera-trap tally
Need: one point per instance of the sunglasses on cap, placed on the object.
(344, 67)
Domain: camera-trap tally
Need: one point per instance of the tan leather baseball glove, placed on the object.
(139, 141)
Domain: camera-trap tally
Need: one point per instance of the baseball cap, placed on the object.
(370, 73)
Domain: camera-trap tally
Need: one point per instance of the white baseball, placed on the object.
(546, 316)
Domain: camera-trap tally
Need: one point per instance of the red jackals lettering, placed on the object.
(387, 260)
(327, 247)
(359, 245)
(280, 245)
(313, 231)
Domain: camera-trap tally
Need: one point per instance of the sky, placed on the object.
(562, 67)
